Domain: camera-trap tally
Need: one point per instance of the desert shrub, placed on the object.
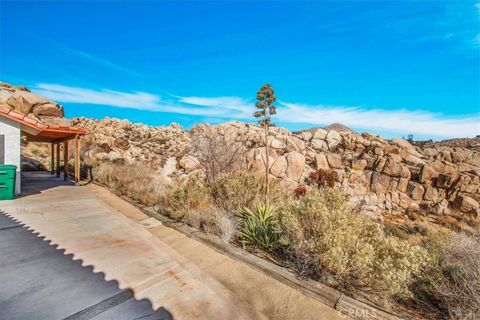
(232, 192)
(216, 150)
(258, 228)
(323, 178)
(326, 237)
(219, 222)
(453, 281)
(180, 199)
(133, 181)
(190, 202)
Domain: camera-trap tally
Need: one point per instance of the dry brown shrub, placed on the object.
(453, 282)
(323, 178)
(133, 181)
(217, 151)
(191, 202)
(299, 191)
(234, 191)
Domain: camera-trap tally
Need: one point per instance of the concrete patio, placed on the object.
(66, 255)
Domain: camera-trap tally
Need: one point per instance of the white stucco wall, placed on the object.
(12, 132)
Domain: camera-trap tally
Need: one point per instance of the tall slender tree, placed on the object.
(265, 111)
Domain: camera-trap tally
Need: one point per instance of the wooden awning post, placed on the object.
(52, 158)
(58, 159)
(77, 159)
(65, 160)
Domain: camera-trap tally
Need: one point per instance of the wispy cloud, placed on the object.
(228, 108)
(135, 100)
(399, 121)
(241, 107)
(92, 58)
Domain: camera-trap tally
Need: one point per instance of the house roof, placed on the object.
(38, 131)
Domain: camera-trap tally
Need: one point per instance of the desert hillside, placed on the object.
(411, 185)
(377, 219)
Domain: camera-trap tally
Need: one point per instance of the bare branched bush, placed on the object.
(454, 279)
(217, 151)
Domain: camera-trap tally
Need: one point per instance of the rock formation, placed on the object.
(386, 179)
(22, 100)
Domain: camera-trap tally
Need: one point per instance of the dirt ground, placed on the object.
(266, 295)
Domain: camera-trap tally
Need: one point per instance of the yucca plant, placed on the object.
(259, 228)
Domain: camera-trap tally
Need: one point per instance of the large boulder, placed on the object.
(334, 160)
(415, 190)
(23, 101)
(189, 163)
(48, 109)
(296, 164)
(333, 139)
(319, 144)
(380, 183)
(278, 167)
(465, 203)
(320, 134)
(427, 173)
(321, 162)
(122, 143)
(359, 164)
(392, 168)
(446, 180)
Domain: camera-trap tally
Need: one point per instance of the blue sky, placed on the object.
(388, 67)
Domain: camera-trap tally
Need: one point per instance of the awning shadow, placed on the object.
(39, 281)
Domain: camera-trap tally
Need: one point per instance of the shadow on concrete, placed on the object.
(39, 281)
(34, 182)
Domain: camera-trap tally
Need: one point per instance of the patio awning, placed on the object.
(37, 131)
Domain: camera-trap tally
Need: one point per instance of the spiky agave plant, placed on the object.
(259, 228)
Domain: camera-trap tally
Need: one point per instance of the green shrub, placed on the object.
(327, 238)
(259, 228)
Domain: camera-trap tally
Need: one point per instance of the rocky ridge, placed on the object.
(390, 179)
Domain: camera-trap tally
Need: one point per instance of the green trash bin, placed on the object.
(7, 181)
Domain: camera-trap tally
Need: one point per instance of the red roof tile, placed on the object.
(45, 129)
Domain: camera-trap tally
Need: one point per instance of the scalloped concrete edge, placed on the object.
(327, 295)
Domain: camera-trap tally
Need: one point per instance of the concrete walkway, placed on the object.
(40, 281)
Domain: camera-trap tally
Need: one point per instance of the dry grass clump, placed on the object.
(190, 201)
(179, 199)
(133, 181)
(233, 192)
(452, 283)
(327, 238)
